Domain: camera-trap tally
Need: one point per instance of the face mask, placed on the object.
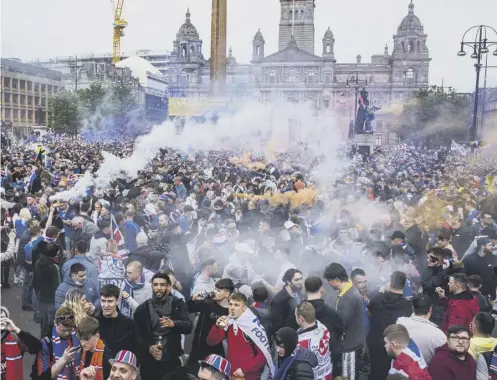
(78, 283)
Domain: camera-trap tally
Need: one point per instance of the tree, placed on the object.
(65, 111)
(123, 97)
(435, 114)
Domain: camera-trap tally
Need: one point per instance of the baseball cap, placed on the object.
(218, 363)
(125, 357)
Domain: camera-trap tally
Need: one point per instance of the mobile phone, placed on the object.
(77, 348)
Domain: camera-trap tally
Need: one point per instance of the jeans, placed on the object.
(68, 248)
(27, 288)
(47, 311)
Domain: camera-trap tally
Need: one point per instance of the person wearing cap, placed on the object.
(398, 238)
(214, 367)
(483, 263)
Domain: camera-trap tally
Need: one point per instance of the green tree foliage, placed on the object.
(88, 107)
(65, 117)
(436, 114)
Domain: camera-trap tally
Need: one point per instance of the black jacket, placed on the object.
(46, 279)
(384, 309)
(209, 311)
(483, 266)
(120, 333)
(281, 306)
(324, 314)
(182, 325)
(302, 367)
(23, 241)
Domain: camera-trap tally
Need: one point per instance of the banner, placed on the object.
(193, 106)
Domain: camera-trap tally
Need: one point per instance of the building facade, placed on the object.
(294, 73)
(25, 90)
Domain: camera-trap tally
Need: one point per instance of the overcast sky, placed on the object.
(47, 28)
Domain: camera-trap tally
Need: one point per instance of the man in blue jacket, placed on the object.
(76, 279)
(80, 257)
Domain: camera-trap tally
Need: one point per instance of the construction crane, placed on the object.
(118, 26)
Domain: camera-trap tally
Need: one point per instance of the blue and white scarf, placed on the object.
(59, 346)
(129, 286)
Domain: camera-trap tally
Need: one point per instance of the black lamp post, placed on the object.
(479, 45)
(356, 83)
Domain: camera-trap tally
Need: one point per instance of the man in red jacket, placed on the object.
(452, 361)
(245, 355)
(462, 306)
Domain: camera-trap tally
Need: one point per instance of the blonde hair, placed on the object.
(73, 301)
(25, 214)
(112, 247)
(42, 210)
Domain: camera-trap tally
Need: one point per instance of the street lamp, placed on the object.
(479, 45)
(356, 83)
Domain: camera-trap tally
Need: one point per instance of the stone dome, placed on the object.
(411, 20)
(328, 35)
(258, 36)
(187, 29)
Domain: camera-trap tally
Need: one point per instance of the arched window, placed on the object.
(410, 75)
(258, 50)
(302, 14)
(292, 77)
(272, 76)
(411, 46)
(403, 46)
(328, 48)
(192, 49)
(419, 46)
(291, 15)
(184, 52)
(311, 76)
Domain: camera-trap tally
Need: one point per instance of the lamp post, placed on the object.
(480, 45)
(356, 83)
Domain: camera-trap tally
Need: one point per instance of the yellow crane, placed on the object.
(118, 26)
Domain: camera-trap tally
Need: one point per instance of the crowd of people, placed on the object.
(210, 265)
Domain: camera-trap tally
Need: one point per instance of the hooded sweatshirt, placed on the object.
(385, 309)
(298, 362)
(447, 366)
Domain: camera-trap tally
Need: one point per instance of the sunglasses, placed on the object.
(64, 318)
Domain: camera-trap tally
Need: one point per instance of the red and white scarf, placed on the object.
(317, 340)
(11, 358)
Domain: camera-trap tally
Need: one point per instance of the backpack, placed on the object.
(48, 342)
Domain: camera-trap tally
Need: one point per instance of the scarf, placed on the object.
(129, 286)
(97, 360)
(317, 339)
(11, 358)
(251, 326)
(59, 346)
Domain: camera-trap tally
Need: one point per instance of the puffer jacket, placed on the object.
(91, 292)
(301, 368)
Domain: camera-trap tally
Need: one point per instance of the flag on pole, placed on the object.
(458, 148)
(118, 238)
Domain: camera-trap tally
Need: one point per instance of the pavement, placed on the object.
(11, 299)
